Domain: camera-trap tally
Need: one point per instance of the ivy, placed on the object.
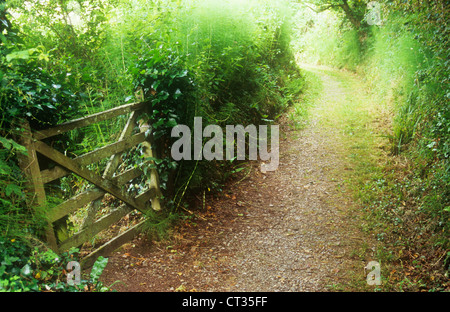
(25, 268)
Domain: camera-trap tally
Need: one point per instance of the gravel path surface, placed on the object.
(299, 236)
(290, 230)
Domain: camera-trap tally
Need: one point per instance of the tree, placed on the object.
(353, 9)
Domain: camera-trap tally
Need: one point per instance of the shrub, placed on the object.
(25, 268)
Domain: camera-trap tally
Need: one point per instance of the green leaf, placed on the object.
(97, 269)
(22, 55)
(3, 38)
(13, 188)
(151, 158)
(177, 94)
(26, 270)
(6, 143)
(4, 168)
(171, 123)
(8, 260)
(156, 84)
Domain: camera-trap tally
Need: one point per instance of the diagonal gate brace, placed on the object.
(95, 179)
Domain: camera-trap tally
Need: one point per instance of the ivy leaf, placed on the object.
(26, 270)
(171, 123)
(177, 94)
(6, 143)
(156, 84)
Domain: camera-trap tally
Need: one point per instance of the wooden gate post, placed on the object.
(30, 166)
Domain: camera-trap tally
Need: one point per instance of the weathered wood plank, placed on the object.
(49, 175)
(153, 183)
(30, 166)
(86, 234)
(74, 203)
(127, 131)
(91, 157)
(126, 176)
(111, 149)
(74, 166)
(148, 196)
(88, 120)
(111, 245)
(84, 198)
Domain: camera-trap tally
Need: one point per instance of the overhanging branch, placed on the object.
(323, 8)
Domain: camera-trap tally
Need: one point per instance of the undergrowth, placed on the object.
(228, 62)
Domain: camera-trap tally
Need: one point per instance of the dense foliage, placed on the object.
(228, 62)
(26, 269)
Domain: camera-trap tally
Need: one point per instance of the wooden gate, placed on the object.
(109, 182)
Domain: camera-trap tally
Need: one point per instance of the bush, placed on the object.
(228, 62)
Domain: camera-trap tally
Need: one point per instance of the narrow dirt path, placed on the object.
(295, 229)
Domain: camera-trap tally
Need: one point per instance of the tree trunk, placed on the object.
(356, 22)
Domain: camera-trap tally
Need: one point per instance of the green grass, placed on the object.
(387, 188)
(299, 113)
